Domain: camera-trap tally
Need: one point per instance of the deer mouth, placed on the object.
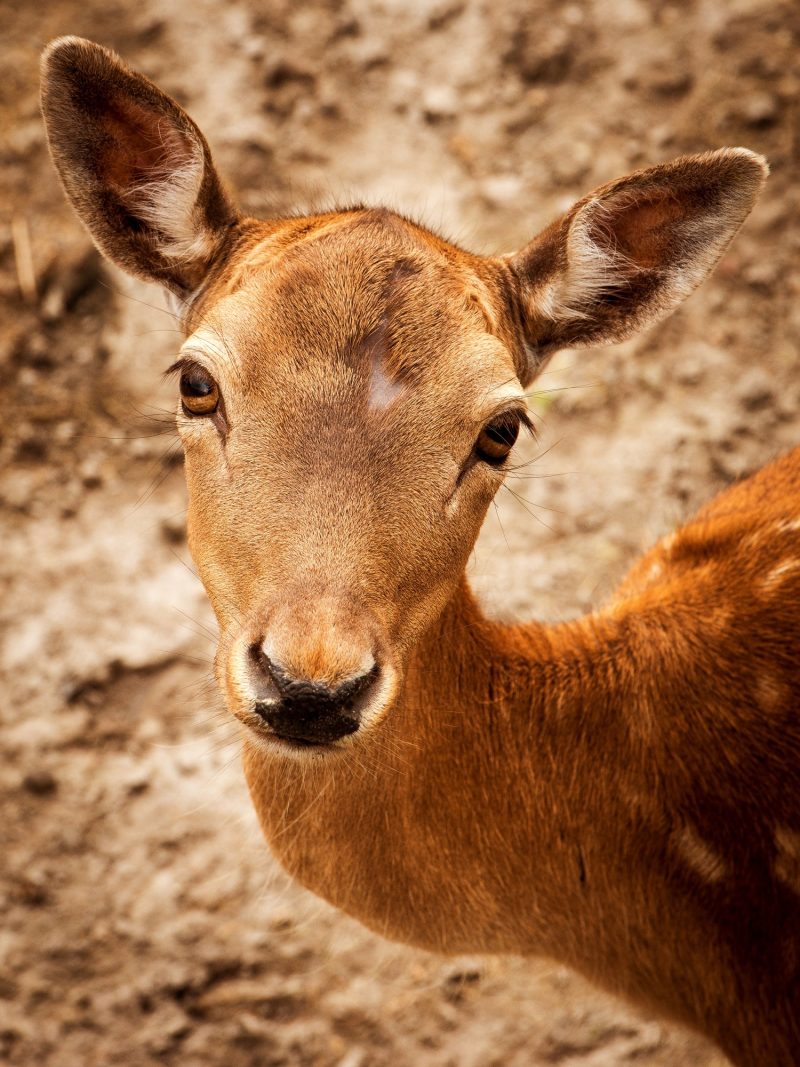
(289, 744)
(317, 734)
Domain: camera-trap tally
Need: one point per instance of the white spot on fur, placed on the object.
(787, 862)
(382, 390)
(770, 692)
(779, 574)
(654, 571)
(753, 541)
(700, 856)
(788, 526)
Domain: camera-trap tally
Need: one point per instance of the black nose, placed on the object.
(310, 712)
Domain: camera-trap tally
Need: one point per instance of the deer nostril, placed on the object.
(307, 711)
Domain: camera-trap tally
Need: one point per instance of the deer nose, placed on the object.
(307, 711)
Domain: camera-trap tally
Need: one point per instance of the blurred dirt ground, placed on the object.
(143, 921)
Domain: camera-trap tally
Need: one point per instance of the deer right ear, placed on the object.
(628, 253)
(135, 167)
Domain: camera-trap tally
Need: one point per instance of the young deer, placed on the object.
(620, 792)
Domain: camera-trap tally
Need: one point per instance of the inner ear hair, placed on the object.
(135, 166)
(623, 257)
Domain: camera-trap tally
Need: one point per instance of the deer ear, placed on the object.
(628, 253)
(135, 167)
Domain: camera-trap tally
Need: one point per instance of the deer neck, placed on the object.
(510, 802)
(497, 764)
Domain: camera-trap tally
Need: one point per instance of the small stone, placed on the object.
(31, 890)
(40, 783)
(355, 1057)
(368, 53)
(464, 972)
(347, 26)
(763, 275)
(669, 80)
(65, 431)
(251, 1026)
(281, 921)
(444, 13)
(255, 48)
(689, 371)
(755, 390)
(501, 189)
(173, 530)
(652, 378)
(90, 471)
(572, 162)
(544, 56)
(439, 102)
(151, 31)
(253, 996)
(458, 982)
(578, 1034)
(662, 136)
(168, 1027)
(137, 782)
(52, 306)
(38, 351)
(590, 522)
(760, 109)
(19, 489)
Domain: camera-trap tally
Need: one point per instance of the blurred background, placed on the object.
(143, 919)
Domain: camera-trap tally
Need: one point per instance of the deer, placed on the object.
(619, 792)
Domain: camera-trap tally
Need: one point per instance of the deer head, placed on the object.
(351, 385)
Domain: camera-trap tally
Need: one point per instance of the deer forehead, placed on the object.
(377, 328)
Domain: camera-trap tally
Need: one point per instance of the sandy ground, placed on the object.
(143, 921)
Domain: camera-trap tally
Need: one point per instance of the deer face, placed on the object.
(352, 386)
(360, 410)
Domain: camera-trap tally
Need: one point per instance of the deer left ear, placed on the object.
(136, 168)
(628, 253)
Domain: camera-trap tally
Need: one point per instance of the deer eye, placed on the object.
(497, 438)
(199, 392)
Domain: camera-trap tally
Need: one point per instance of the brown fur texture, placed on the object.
(619, 792)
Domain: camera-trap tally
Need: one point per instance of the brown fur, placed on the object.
(619, 792)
